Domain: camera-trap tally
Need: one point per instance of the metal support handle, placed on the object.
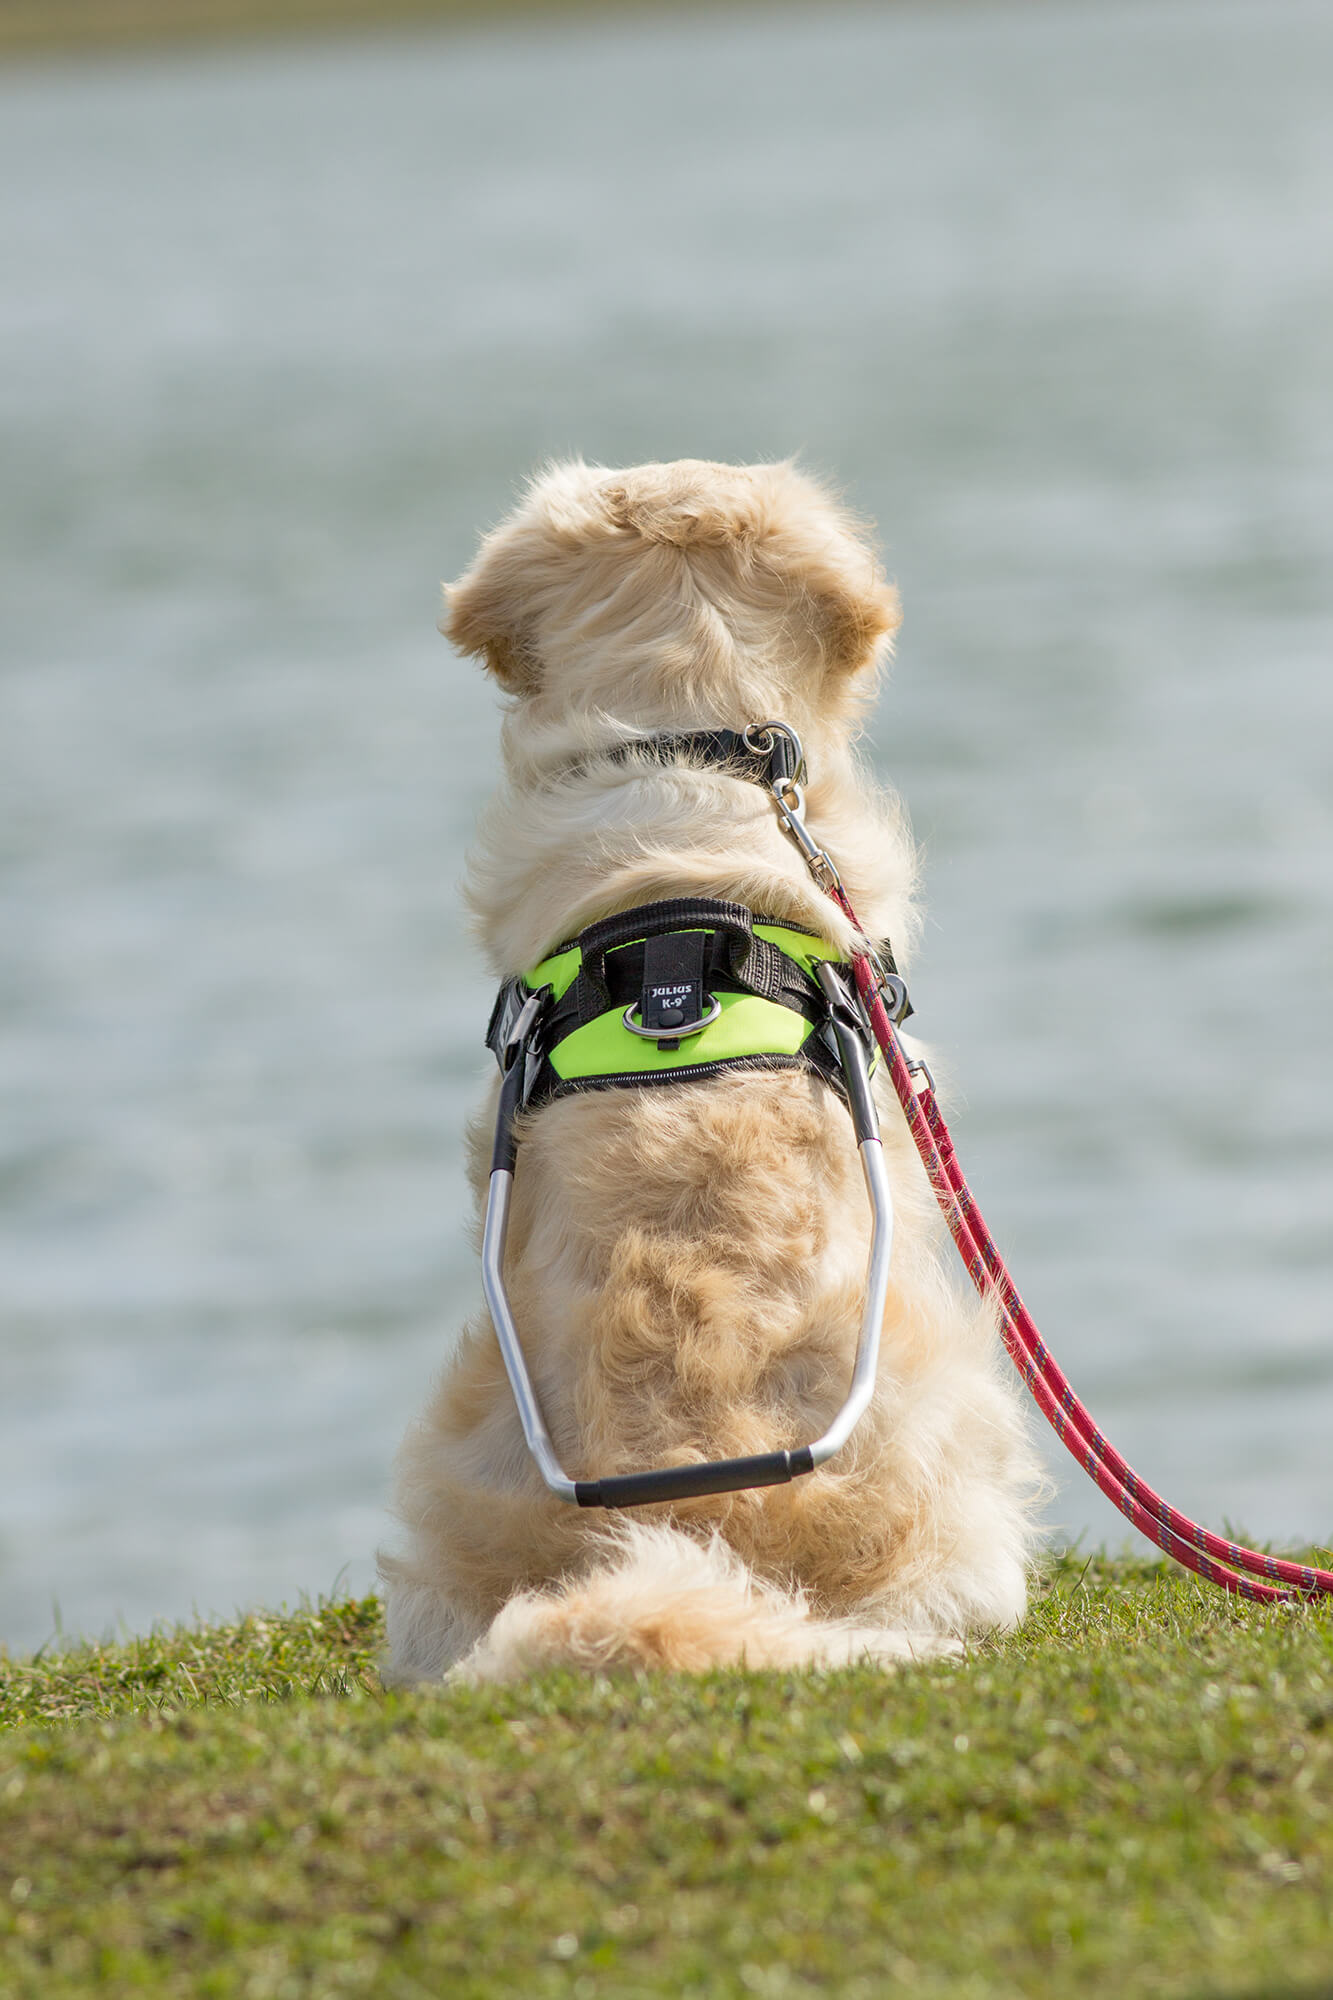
(730, 1475)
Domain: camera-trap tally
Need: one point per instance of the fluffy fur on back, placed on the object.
(686, 1265)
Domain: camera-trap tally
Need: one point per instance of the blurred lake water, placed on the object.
(1050, 289)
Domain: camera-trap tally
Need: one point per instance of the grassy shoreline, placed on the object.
(29, 27)
(1134, 1794)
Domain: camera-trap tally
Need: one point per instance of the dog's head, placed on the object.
(668, 595)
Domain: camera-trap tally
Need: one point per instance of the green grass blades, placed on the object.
(1132, 1796)
(265, 1657)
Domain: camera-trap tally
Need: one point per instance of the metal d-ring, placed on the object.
(763, 738)
(891, 988)
(672, 1034)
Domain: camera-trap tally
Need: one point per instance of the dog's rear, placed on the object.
(686, 1265)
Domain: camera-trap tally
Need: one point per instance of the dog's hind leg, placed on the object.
(425, 1633)
(660, 1598)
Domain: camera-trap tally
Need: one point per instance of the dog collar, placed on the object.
(765, 756)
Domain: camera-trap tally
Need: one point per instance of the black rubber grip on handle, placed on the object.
(688, 1482)
(504, 1152)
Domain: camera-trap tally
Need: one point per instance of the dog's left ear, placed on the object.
(483, 616)
(850, 608)
(853, 624)
(825, 559)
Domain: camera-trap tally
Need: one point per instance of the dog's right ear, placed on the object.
(483, 617)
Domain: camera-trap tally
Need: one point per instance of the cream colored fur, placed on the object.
(686, 1264)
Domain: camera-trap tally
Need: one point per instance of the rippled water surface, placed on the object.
(1050, 288)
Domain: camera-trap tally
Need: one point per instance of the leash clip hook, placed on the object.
(779, 742)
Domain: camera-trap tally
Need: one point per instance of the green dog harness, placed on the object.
(669, 992)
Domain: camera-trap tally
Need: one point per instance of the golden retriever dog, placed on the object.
(687, 1265)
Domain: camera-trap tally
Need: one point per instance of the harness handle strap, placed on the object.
(733, 920)
(672, 997)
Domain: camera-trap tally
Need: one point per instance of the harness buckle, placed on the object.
(515, 1024)
(844, 1010)
(516, 1041)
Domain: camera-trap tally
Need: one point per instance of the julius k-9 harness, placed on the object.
(671, 993)
(678, 992)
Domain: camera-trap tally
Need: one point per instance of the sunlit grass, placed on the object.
(1131, 1796)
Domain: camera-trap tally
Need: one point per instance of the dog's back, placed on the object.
(686, 1265)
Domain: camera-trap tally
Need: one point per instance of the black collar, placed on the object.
(724, 749)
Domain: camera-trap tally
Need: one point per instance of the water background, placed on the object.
(1049, 288)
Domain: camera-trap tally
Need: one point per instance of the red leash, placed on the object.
(777, 749)
(1184, 1540)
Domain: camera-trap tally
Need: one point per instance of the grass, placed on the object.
(34, 26)
(1133, 1796)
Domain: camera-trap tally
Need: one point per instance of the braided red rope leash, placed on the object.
(1182, 1539)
